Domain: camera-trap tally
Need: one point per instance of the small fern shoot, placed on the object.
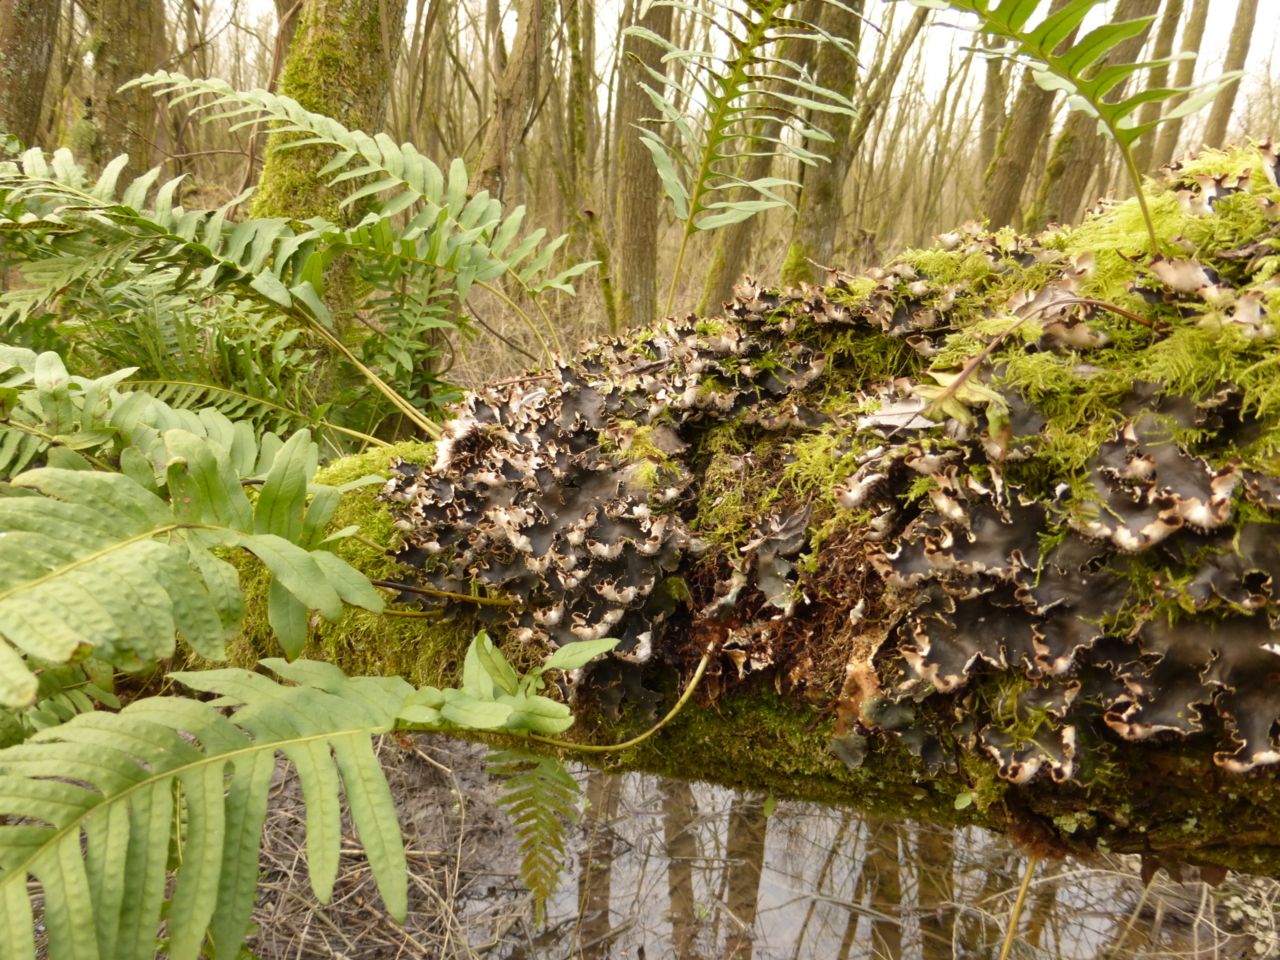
(541, 798)
(738, 91)
(1083, 72)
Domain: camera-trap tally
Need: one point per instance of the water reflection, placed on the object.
(665, 869)
(658, 869)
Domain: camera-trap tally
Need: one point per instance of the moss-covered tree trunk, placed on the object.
(27, 32)
(1042, 595)
(127, 38)
(339, 63)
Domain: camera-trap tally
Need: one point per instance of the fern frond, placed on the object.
(65, 691)
(541, 798)
(740, 88)
(468, 236)
(121, 783)
(100, 562)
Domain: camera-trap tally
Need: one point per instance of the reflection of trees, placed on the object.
(814, 882)
(744, 851)
(883, 883)
(679, 810)
(595, 866)
(936, 857)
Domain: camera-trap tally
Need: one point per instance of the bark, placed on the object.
(340, 64)
(639, 188)
(288, 15)
(818, 212)
(576, 176)
(1159, 77)
(1024, 133)
(1237, 53)
(1079, 149)
(881, 87)
(127, 39)
(994, 91)
(1185, 73)
(514, 99)
(27, 32)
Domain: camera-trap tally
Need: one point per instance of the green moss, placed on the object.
(424, 650)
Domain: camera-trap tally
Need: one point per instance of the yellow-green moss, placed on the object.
(424, 650)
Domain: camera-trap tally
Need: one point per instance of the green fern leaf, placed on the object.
(740, 87)
(99, 562)
(127, 767)
(1083, 71)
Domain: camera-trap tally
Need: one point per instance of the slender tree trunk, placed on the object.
(288, 14)
(1215, 134)
(27, 31)
(994, 91)
(1024, 133)
(127, 39)
(1192, 35)
(877, 95)
(818, 213)
(340, 64)
(638, 201)
(1159, 77)
(1063, 191)
(514, 98)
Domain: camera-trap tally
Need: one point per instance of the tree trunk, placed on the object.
(994, 91)
(1215, 134)
(1025, 130)
(1192, 36)
(514, 98)
(818, 212)
(1159, 77)
(1063, 191)
(27, 32)
(339, 63)
(926, 618)
(127, 39)
(639, 188)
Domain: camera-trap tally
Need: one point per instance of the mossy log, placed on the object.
(988, 536)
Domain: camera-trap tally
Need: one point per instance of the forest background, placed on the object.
(543, 101)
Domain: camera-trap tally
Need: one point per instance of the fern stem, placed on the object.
(1015, 914)
(399, 402)
(88, 558)
(528, 320)
(52, 441)
(1136, 176)
(675, 270)
(445, 594)
(641, 738)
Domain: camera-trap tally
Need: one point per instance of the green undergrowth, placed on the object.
(424, 650)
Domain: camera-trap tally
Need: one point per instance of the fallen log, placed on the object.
(986, 536)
